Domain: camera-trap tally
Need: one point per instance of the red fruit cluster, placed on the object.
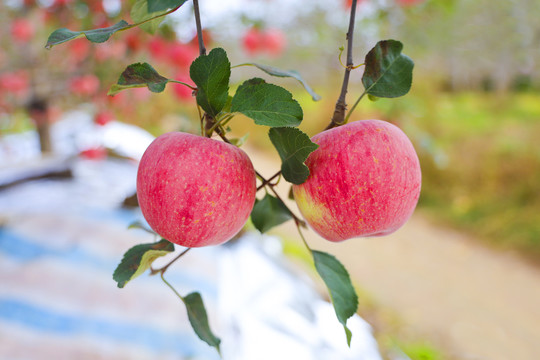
(183, 92)
(177, 54)
(409, 2)
(102, 118)
(22, 30)
(270, 42)
(16, 83)
(94, 153)
(85, 85)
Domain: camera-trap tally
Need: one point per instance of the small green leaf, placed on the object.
(139, 75)
(388, 72)
(293, 147)
(267, 104)
(199, 320)
(290, 194)
(138, 259)
(139, 225)
(163, 5)
(339, 285)
(140, 14)
(96, 36)
(287, 73)
(211, 74)
(239, 141)
(269, 212)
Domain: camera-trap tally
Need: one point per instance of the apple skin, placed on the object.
(364, 181)
(195, 191)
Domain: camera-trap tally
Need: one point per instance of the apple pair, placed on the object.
(364, 181)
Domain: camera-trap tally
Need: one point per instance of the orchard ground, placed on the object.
(440, 286)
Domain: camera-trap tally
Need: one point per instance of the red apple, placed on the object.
(208, 39)
(112, 50)
(133, 40)
(94, 153)
(348, 4)
(364, 181)
(95, 6)
(79, 49)
(274, 42)
(84, 85)
(181, 55)
(22, 30)
(252, 41)
(61, 3)
(158, 49)
(195, 191)
(102, 118)
(17, 83)
(409, 2)
(182, 92)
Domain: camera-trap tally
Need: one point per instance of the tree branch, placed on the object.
(271, 186)
(202, 49)
(341, 106)
(268, 181)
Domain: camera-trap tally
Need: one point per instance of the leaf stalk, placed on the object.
(162, 270)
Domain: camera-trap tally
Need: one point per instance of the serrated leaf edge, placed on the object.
(388, 68)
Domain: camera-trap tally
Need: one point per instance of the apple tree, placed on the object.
(353, 179)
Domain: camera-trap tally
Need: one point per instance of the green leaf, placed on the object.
(339, 285)
(211, 74)
(269, 212)
(290, 194)
(287, 73)
(388, 72)
(138, 259)
(140, 14)
(238, 142)
(199, 320)
(143, 12)
(163, 5)
(293, 147)
(139, 225)
(267, 104)
(139, 75)
(96, 36)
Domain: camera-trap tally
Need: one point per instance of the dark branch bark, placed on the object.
(341, 106)
(202, 49)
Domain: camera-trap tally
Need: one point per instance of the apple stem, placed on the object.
(164, 268)
(220, 123)
(341, 106)
(297, 220)
(201, 118)
(202, 49)
(298, 226)
(268, 182)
